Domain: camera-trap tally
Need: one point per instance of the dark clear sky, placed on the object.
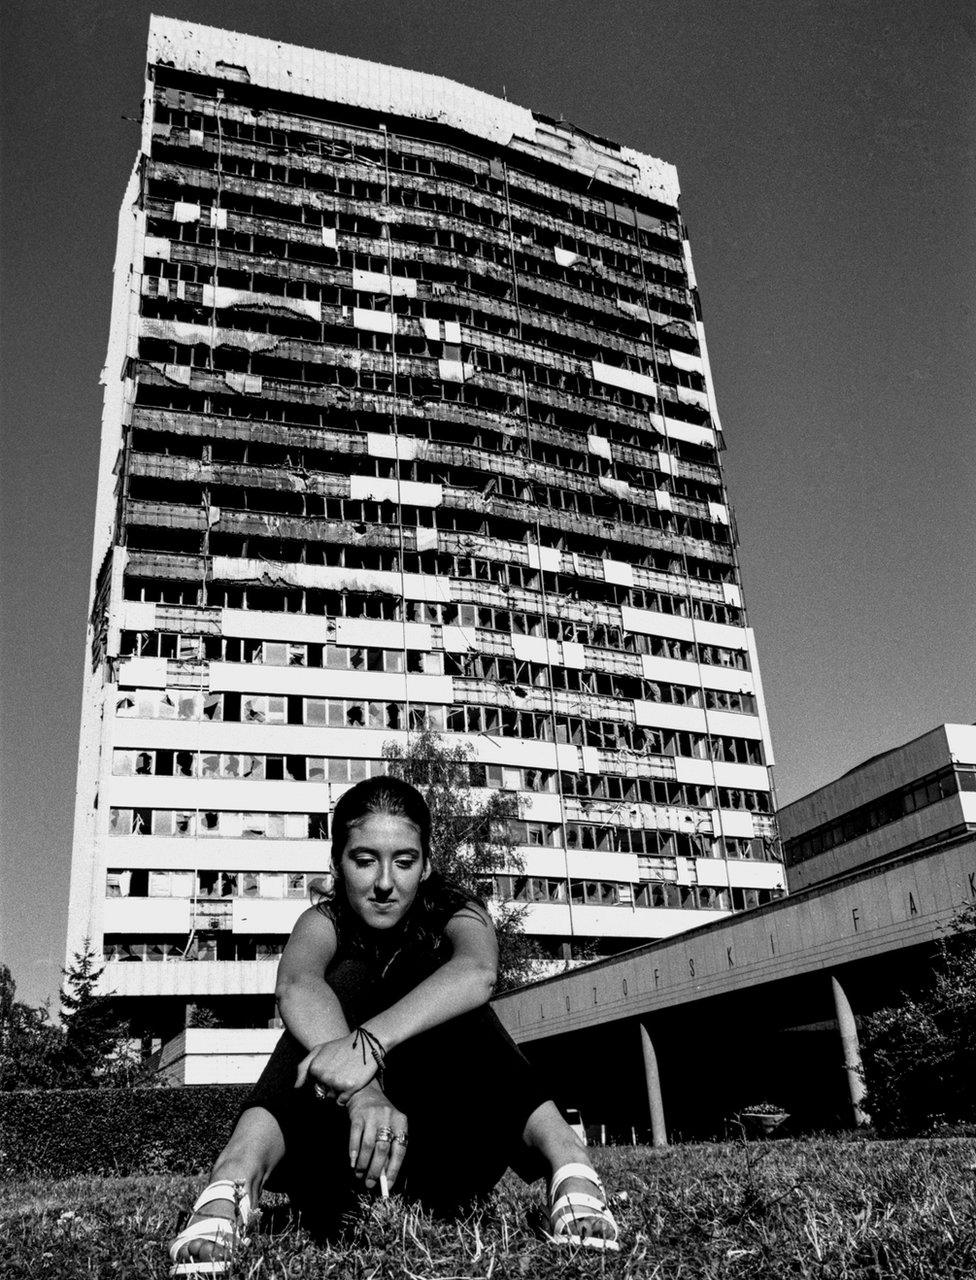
(826, 155)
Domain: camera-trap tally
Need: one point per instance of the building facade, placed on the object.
(408, 423)
(902, 801)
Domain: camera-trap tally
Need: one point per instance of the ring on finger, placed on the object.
(384, 1134)
(401, 1138)
(321, 1091)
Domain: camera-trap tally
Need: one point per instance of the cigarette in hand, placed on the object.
(384, 1187)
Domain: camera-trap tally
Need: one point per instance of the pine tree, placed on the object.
(470, 842)
(97, 1048)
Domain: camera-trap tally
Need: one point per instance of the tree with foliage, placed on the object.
(97, 1049)
(31, 1045)
(88, 1047)
(470, 841)
(920, 1055)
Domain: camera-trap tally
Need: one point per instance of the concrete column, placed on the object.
(851, 1050)
(652, 1078)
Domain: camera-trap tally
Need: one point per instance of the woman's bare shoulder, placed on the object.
(311, 946)
(470, 930)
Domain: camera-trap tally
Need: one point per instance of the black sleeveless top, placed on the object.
(373, 968)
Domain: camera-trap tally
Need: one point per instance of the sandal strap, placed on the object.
(213, 1230)
(576, 1200)
(573, 1171)
(567, 1216)
(217, 1191)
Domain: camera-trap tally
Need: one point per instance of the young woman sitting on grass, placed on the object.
(392, 1065)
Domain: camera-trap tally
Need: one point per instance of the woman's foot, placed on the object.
(578, 1204)
(215, 1230)
(578, 1210)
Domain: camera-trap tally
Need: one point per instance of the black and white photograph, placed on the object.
(488, 723)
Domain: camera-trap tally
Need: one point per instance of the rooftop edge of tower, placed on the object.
(276, 65)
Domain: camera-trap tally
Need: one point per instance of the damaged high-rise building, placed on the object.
(408, 423)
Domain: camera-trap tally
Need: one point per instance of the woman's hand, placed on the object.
(377, 1136)
(341, 1067)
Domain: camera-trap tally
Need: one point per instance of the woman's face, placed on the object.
(382, 867)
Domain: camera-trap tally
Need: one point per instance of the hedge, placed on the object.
(63, 1132)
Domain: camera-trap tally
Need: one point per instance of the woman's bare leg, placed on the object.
(548, 1133)
(255, 1147)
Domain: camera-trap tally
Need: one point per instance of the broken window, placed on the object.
(184, 764)
(255, 825)
(253, 710)
(184, 823)
(207, 884)
(208, 823)
(252, 767)
(189, 648)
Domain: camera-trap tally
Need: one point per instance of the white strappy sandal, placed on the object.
(564, 1218)
(227, 1232)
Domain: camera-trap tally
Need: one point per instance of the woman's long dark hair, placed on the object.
(438, 898)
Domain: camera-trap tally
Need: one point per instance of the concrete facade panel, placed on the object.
(146, 915)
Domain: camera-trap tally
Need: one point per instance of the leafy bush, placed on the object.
(62, 1132)
(920, 1055)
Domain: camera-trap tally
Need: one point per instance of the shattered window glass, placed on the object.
(184, 823)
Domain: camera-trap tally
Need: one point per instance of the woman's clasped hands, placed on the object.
(339, 1068)
(345, 1070)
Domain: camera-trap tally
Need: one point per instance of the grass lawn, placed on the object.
(823, 1208)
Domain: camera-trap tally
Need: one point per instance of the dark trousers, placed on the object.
(467, 1092)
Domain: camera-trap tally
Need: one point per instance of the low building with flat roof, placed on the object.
(906, 799)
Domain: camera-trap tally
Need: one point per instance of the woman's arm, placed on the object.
(311, 1011)
(309, 1007)
(464, 982)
